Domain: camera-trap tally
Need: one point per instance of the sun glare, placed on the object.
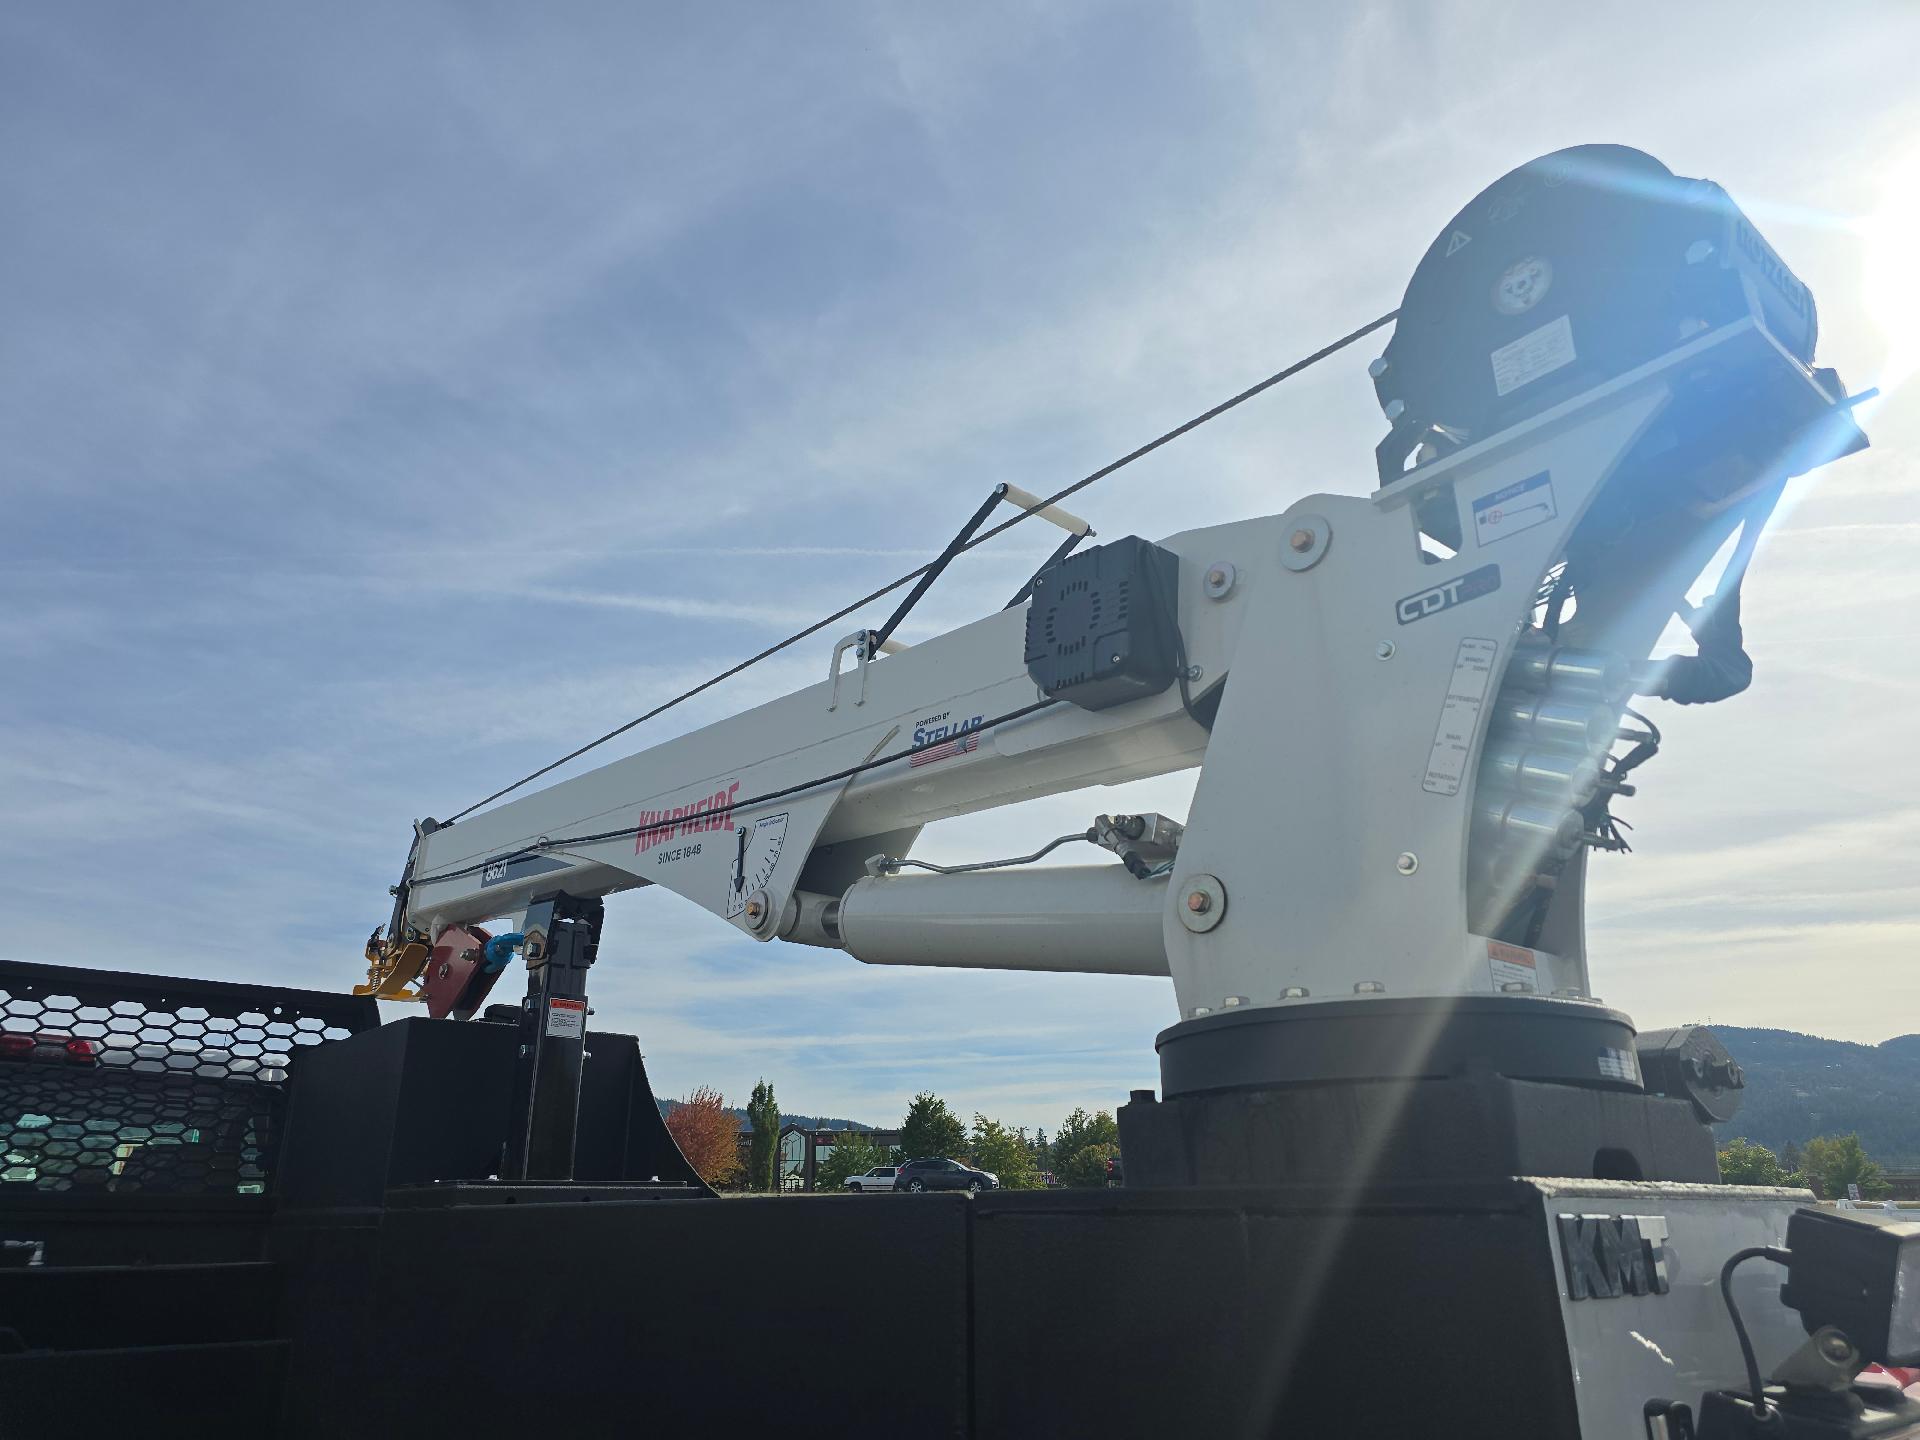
(1892, 269)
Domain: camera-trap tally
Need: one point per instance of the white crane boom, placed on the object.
(1404, 728)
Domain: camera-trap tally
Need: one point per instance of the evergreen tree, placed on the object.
(763, 1158)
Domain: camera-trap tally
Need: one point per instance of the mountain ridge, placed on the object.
(1800, 1086)
(805, 1122)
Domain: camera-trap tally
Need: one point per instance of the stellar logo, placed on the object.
(1612, 1255)
(932, 729)
(940, 737)
(1447, 594)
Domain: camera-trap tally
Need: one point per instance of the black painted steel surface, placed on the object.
(1526, 1037)
(1112, 1313)
(420, 1101)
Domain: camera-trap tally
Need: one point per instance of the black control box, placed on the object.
(1102, 626)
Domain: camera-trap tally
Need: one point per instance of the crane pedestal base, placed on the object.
(1395, 1090)
(1391, 1131)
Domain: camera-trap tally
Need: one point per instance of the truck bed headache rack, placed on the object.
(122, 1084)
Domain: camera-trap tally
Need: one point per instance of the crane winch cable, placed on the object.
(1147, 449)
(546, 844)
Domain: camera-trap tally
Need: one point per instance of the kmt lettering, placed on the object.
(715, 812)
(1612, 1255)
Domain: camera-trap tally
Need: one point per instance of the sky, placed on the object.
(394, 397)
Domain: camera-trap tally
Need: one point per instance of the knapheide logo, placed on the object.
(710, 812)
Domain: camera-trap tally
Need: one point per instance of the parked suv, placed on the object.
(878, 1178)
(935, 1174)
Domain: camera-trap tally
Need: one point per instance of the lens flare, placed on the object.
(1892, 269)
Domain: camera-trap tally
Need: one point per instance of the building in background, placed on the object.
(804, 1151)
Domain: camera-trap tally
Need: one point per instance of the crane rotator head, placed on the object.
(1572, 269)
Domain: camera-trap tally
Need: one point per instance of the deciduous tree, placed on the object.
(1003, 1152)
(1076, 1133)
(1830, 1163)
(931, 1129)
(708, 1134)
(1744, 1163)
(1087, 1166)
(854, 1155)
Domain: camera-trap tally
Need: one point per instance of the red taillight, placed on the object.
(16, 1047)
(81, 1051)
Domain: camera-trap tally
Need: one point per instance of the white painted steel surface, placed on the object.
(1089, 918)
(1628, 1349)
(1336, 802)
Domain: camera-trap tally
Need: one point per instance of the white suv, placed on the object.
(878, 1178)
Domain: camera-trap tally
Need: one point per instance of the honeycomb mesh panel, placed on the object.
(122, 1084)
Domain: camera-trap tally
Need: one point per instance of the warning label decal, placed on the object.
(1512, 966)
(567, 1018)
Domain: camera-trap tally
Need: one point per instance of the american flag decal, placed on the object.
(958, 745)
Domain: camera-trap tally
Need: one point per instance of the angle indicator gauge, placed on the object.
(756, 858)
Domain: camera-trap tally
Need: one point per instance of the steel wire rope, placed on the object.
(1147, 449)
(544, 845)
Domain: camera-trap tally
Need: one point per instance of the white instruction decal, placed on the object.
(1459, 715)
(1513, 508)
(1512, 967)
(1540, 352)
(567, 1018)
